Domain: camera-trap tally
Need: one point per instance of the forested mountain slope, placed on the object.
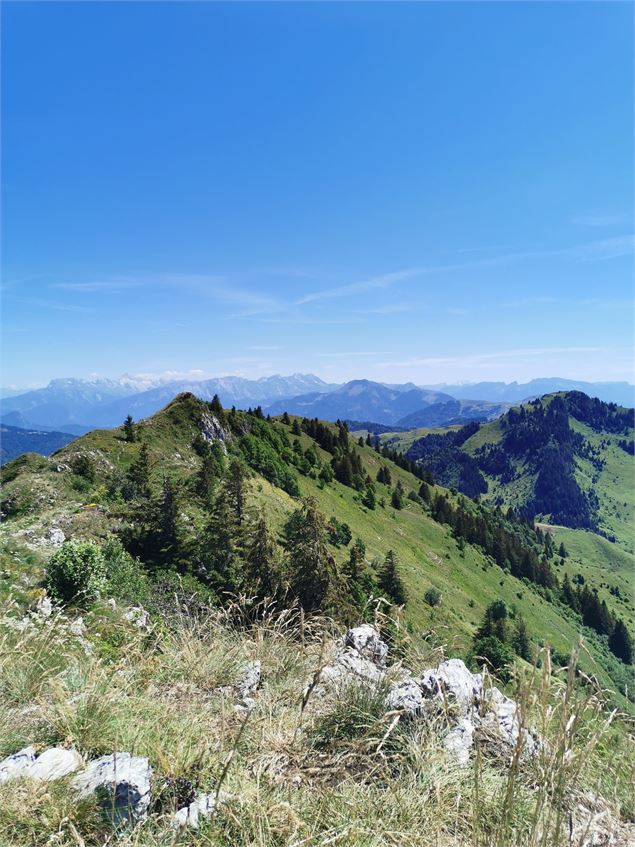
(221, 499)
(566, 459)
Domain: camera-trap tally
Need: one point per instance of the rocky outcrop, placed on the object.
(212, 431)
(122, 783)
(359, 657)
(365, 641)
(449, 688)
(137, 616)
(453, 684)
(249, 679)
(406, 696)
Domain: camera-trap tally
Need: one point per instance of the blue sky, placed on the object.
(428, 192)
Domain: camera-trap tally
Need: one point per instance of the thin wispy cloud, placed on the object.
(373, 283)
(264, 347)
(598, 250)
(499, 355)
(215, 287)
(354, 353)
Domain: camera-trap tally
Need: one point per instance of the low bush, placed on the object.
(77, 572)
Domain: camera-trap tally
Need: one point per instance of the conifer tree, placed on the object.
(389, 580)
(369, 500)
(215, 405)
(359, 578)
(221, 547)
(236, 490)
(312, 569)
(139, 473)
(520, 639)
(169, 529)
(396, 499)
(286, 419)
(129, 430)
(424, 492)
(206, 478)
(263, 572)
(621, 643)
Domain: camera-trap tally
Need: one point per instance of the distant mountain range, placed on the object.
(622, 393)
(79, 405)
(405, 406)
(89, 404)
(15, 441)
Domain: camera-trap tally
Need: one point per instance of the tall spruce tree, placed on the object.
(129, 430)
(222, 545)
(361, 583)
(621, 643)
(263, 567)
(139, 473)
(312, 569)
(390, 582)
(520, 639)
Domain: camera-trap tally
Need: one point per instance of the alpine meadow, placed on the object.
(317, 424)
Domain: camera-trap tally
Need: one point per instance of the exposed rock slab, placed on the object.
(17, 764)
(122, 782)
(453, 683)
(54, 764)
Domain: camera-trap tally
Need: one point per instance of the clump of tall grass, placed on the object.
(309, 765)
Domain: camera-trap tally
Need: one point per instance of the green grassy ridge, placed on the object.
(428, 554)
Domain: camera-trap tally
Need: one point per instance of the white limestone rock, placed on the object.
(54, 764)
(249, 680)
(503, 713)
(44, 607)
(122, 782)
(17, 764)
(56, 537)
(454, 683)
(405, 695)
(349, 666)
(366, 641)
(460, 740)
(137, 616)
(78, 628)
(203, 807)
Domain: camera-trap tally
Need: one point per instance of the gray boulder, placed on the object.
(460, 740)
(56, 537)
(137, 616)
(54, 764)
(17, 764)
(452, 683)
(405, 696)
(349, 666)
(366, 641)
(503, 714)
(122, 782)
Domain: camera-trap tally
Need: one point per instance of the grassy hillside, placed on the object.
(41, 495)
